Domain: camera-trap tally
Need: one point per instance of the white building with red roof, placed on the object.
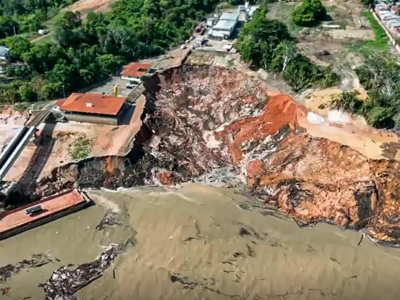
(134, 71)
(94, 108)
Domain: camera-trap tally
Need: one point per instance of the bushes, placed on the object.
(381, 77)
(309, 13)
(268, 44)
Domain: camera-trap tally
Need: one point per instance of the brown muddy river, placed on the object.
(203, 243)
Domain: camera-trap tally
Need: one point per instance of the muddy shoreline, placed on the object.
(218, 126)
(215, 243)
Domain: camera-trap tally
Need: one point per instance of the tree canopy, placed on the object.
(269, 45)
(82, 53)
(309, 13)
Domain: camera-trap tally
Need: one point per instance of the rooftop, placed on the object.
(229, 16)
(224, 25)
(4, 50)
(93, 103)
(135, 69)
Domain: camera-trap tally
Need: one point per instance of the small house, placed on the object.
(134, 71)
(94, 108)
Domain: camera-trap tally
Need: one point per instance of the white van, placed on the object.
(241, 8)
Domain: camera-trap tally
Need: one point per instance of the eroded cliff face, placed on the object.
(217, 125)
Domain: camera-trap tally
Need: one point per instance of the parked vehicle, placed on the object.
(130, 85)
(183, 46)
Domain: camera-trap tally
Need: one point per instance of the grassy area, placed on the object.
(47, 38)
(81, 149)
(379, 44)
(381, 40)
(50, 24)
(282, 11)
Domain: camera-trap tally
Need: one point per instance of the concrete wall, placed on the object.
(92, 119)
(131, 78)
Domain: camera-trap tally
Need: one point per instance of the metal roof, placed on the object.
(395, 24)
(4, 50)
(229, 16)
(225, 25)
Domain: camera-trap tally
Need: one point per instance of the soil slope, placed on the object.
(219, 126)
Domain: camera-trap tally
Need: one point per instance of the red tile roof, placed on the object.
(60, 102)
(133, 69)
(100, 104)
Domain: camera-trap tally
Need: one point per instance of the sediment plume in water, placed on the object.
(219, 126)
(197, 242)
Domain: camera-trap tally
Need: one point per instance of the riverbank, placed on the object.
(215, 244)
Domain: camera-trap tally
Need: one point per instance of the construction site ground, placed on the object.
(336, 47)
(356, 134)
(56, 143)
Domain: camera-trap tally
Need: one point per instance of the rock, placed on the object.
(305, 32)
(165, 177)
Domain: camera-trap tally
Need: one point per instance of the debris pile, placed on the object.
(36, 261)
(219, 126)
(65, 281)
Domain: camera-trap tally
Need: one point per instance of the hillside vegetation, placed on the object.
(380, 75)
(269, 45)
(83, 53)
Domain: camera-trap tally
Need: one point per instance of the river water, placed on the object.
(203, 242)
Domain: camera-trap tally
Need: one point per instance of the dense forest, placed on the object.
(85, 51)
(19, 16)
(269, 45)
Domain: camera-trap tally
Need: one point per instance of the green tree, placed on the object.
(18, 46)
(26, 93)
(308, 13)
(319, 9)
(108, 63)
(70, 20)
(8, 26)
(236, 2)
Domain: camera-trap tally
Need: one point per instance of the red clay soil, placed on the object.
(280, 110)
(165, 177)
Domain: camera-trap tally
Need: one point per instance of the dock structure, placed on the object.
(27, 217)
(14, 148)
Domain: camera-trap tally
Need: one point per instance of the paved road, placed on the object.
(107, 87)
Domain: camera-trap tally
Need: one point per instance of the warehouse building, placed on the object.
(94, 108)
(225, 26)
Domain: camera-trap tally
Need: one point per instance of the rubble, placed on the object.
(36, 261)
(219, 126)
(66, 281)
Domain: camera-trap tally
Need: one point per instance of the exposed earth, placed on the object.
(218, 126)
